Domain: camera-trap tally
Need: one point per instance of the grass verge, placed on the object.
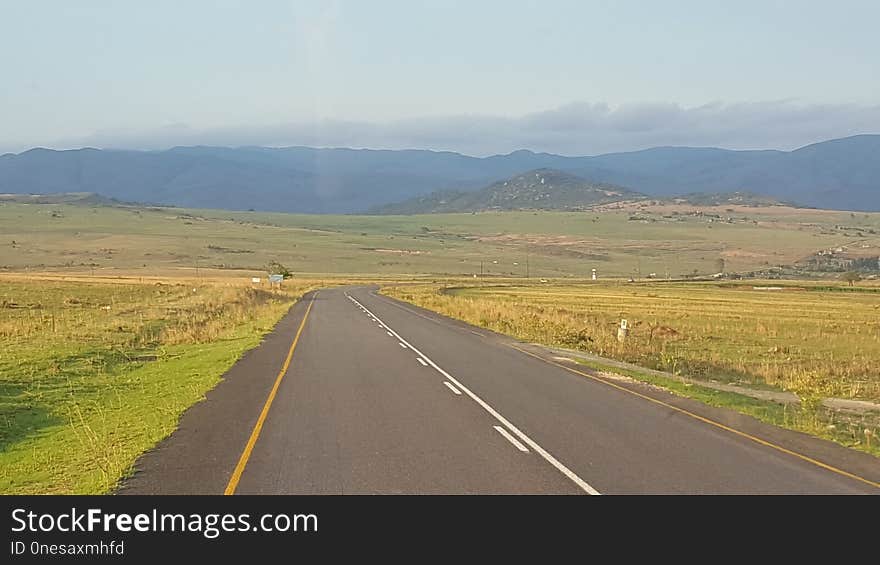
(93, 375)
(810, 418)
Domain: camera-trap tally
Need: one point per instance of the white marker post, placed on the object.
(622, 330)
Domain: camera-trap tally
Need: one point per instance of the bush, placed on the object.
(276, 268)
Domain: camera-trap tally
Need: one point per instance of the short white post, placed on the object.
(622, 330)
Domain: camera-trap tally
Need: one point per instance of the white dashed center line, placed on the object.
(511, 439)
(519, 443)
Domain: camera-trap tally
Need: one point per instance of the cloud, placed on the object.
(579, 128)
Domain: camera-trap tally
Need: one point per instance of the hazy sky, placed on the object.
(574, 77)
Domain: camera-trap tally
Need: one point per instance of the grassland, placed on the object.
(115, 319)
(616, 241)
(93, 374)
(803, 338)
(812, 339)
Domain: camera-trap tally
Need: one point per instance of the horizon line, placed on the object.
(426, 150)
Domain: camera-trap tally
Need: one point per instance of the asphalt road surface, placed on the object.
(378, 396)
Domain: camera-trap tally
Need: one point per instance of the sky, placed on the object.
(480, 77)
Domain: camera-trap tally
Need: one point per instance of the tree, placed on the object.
(851, 277)
(276, 268)
(719, 264)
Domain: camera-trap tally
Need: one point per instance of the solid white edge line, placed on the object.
(511, 439)
(584, 485)
(452, 388)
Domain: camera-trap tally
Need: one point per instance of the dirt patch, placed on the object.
(742, 254)
(665, 331)
(536, 239)
(557, 245)
(397, 251)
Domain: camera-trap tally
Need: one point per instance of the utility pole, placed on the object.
(527, 264)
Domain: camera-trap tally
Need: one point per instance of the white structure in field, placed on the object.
(594, 274)
(622, 330)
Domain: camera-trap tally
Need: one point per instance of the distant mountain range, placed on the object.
(540, 189)
(840, 174)
(80, 198)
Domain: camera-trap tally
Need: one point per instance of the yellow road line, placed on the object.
(255, 434)
(707, 421)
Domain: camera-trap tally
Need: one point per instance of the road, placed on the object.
(356, 393)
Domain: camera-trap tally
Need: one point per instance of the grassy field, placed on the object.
(802, 338)
(113, 320)
(93, 374)
(812, 339)
(618, 242)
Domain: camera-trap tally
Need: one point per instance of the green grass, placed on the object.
(554, 244)
(92, 375)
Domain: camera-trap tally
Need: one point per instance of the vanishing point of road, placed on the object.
(356, 393)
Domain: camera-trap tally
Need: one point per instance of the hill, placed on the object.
(539, 189)
(839, 174)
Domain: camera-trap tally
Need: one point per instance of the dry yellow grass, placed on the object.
(815, 341)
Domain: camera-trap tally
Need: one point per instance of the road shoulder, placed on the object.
(200, 455)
